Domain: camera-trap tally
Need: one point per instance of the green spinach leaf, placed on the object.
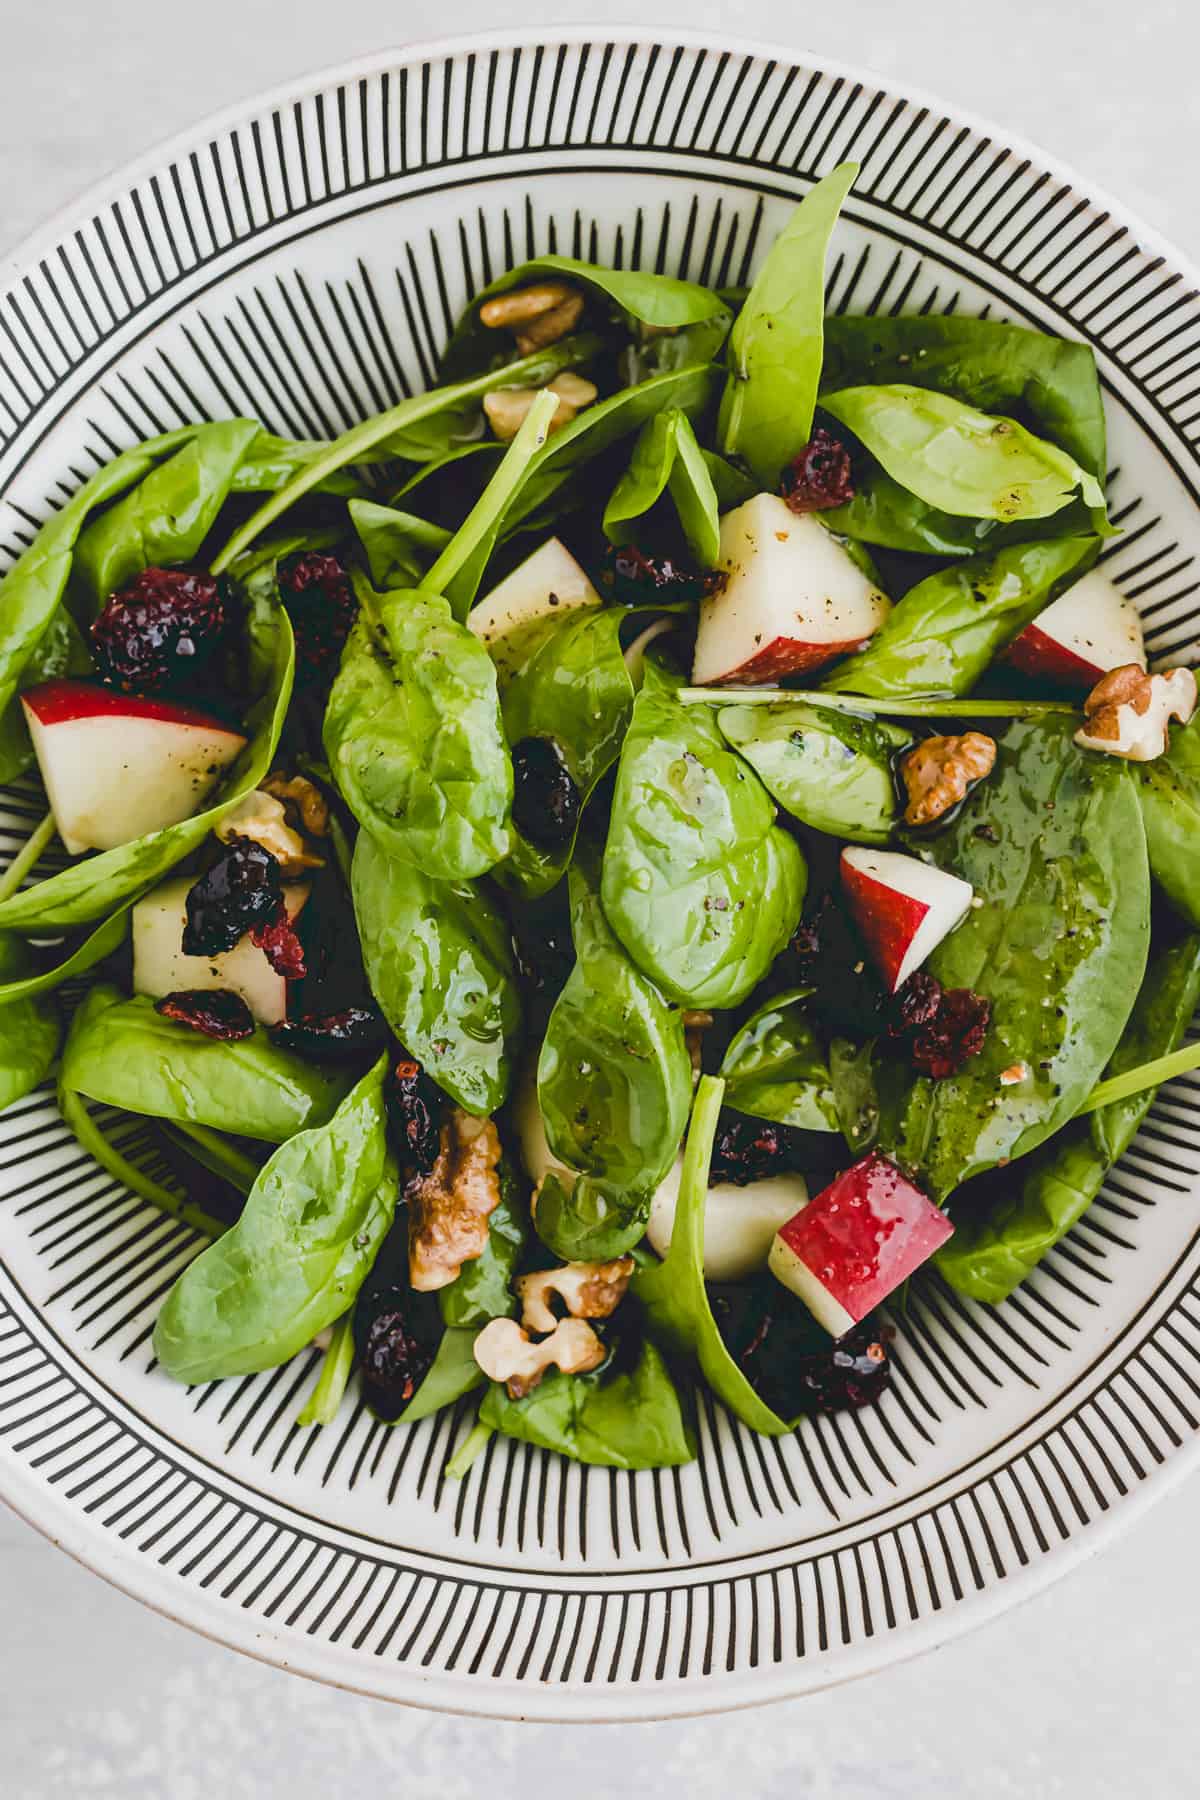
(885, 514)
(1169, 789)
(399, 546)
(700, 885)
(774, 1067)
(775, 347)
(439, 962)
(29, 1026)
(667, 458)
(828, 769)
(22, 980)
(293, 1263)
(943, 634)
(452, 1373)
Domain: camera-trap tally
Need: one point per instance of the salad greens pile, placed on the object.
(503, 955)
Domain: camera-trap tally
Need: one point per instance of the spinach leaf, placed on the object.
(337, 1366)
(828, 769)
(399, 546)
(885, 514)
(673, 1293)
(298, 1254)
(414, 738)
(29, 1025)
(1056, 945)
(666, 457)
(32, 590)
(700, 885)
(166, 517)
(125, 1054)
(453, 1373)
(1047, 382)
(1169, 789)
(439, 962)
(675, 323)
(959, 459)
(942, 635)
(614, 1084)
(271, 461)
(732, 487)
(775, 347)
(22, 980)
(995, 1247)
(774, 1067)
(482, 1289)
(59, 651)
(93, 887)
(570, 684)
(624, 1415)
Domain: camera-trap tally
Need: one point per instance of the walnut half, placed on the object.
(587, 1290)
(941, 771)
(263, 819)
(506, 1353)
(449, 1208)
(538, 315)
(1128, 712)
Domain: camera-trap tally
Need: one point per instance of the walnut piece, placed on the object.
(263, 819)
(587, 1290)
(540, 314)
(1128, 712)
(507, 408)
(449, 1208)
(506, 1353)
(309, 802)
(940, 772)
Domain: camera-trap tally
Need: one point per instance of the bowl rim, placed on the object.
(127, 1570)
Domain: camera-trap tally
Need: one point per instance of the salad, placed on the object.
(594, 878)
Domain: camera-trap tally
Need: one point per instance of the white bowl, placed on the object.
(301, 259)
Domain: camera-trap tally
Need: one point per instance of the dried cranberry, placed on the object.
(790, 1360)
(396, 1330)
(957, 1032)
(546, 802)
(319, 600)
(161, 631)
(332, 1036)
(916, 1003)
(277, 940)
(242, 890)
(635, 579)
(819, 477)
(216, 1012)
(416, 1106)
(394, 1363)
(746, 1150)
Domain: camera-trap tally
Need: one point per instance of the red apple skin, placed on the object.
(866, 1233)
(887, 921)
(1043, 658)
(785, 656)
(59, 702)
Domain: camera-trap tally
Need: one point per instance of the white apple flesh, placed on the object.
(848, 1249)
(160, 966)
(548, 582)
(793, 598)
(1087, 631)
(116, 767)
(903, 908)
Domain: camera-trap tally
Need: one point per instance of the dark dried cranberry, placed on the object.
(958, 1031)
(277, 940)
(320, 602)
(330, 1037)
(394, 1363)
(636, 579)
(160, 632)
(396, 1330)
(746, 1150)
(790, 1360)
(546, 802)
(819, 477)
(416, 1105)
(242, 890)
(216, 1012)
(914, 1004)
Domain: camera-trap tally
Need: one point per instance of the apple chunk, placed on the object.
(160, 966)
(846, 1251)
(793, 598)
(1087, 631)
(739, 1222)
(547, 582)
(116, 767)
(903, 908)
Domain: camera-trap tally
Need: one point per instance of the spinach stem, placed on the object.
(218, 1155)
(928, 706)
(1147, 1075)
(77, 1116)
(321, 1407)
(26, 857)
(472, 1446)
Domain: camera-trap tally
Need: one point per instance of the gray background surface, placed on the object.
(1085, 1690)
